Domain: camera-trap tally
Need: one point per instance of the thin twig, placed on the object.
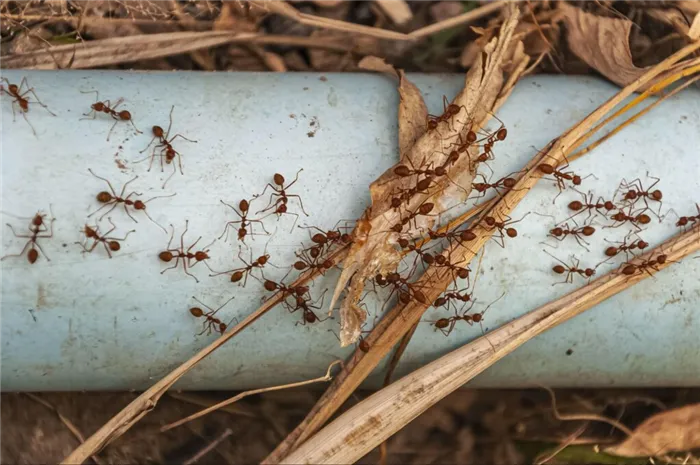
(210, 447)
(236, 398)
(566, 443)
(458, 20)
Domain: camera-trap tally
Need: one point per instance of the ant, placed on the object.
(107, 108)
(167, 151)
(683, 221)
(560, 177)
(427, 257)
(446, 325)
(37, 229)
(506, 182)
(448, 298)
(423, 209)
(16, 93)
(450, 110)
(588, 205)
(308, 314)
(327, 238)
(308, 262)
(240, 273)
(570, 270)
(621, 217)
(210, 321)
(107, 198)
(626, 248)
(111, 244)
(457, 271)
(396, 281)
(630, 268)
(243, 206)
(503, 226)
(560, 233)
(280, 191)
(635, 191)
(298, 291)
(186, 255)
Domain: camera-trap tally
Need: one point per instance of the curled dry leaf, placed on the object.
(373, 250)
(675, 430)
(603, 43)
(694, 32)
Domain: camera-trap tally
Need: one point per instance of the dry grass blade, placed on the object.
(144, 403)
(469, 16)
(99, 53)
(400, 319)
(236, 398)
(210, 447)
(366, 425)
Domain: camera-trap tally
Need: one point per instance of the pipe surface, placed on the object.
(84, 321)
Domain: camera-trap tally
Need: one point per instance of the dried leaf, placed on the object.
(376, 253)
(603, 43)
(694, 32)
(398, 10)
(671, 431)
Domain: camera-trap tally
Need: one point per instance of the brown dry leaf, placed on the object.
(398, 10)
(373, 250)
(603, 43)
(674, 430)
(694, 32)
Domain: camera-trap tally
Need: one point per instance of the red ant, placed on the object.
(621, 218)
(16, 93)
(110, 244)
(327, 238)
(560, 177)
(308, 262)
(448, 298)
(446, 325)
(457, 271)
(588, 205)
(167, 151)
(37, 229)
(308, 314)
(635, 191)
(397, 282)
(506, 182)
(450, 110)
(280, 191)
(630, 268)
(107, 198)
(239, 273)
(107, 108)
(570, 270)
(210, 322)
(626, 248)
(423, 209)
(186, 255)
(244, 222)
(683, 221)
(503, 226)
(298, 291)
(561, 232)
(427, 257)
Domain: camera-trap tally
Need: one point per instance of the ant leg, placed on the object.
(296, 178)
(24, 115)
(184, 265)
(154, 222)
(149, 144)
(300, 202)
(179, 162)
(110, 130)
(31, 90)
(42, 251)
(195, 243)
(177, 263)
(18, 254)
(114, 205)
(171, 175)
(181, 136)
(19, 235)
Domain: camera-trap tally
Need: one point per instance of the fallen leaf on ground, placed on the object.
(674, 430)
(603, 43)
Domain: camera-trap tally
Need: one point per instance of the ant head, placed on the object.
(393, 277)
(196, 312)
(158, 131)
(682, 221)
(328, 264)
(404, 297)
(589, 272)
(346, 238)
(98, 106)
(480, 186)
(379, 279)
(270, 286)
(440, 259)
(32, 255)
(609, 205)
(661, 259)
(432, 125)
(657, 195)
(278, 179)
(222, 327)
(104, 197)
(333, 235)
(301, 290)
(476, 318)
(397, 228)
(315, 251)
(13, 88)
(511, 232)
(395, 202)
(556, 231)
(364, 346)
(243, 206)
(576, 180)
(114, 246)
(439, 171)
(502, 134)
(642, 244)
(611, 251)
(402, 170)
(300, 265)
(241, 233)
(262, 259)
(236, 276)
(200, 255)
(471, 137)
(124, 115)
(630, 195)
(453, 109)
(403, 242)
(588, 230)
(165, 256)
(282, 208)
(38, 220)
(139, 205)
(463, 273)
(545, 168)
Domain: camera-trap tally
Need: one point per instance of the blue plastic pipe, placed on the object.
(84, 321)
